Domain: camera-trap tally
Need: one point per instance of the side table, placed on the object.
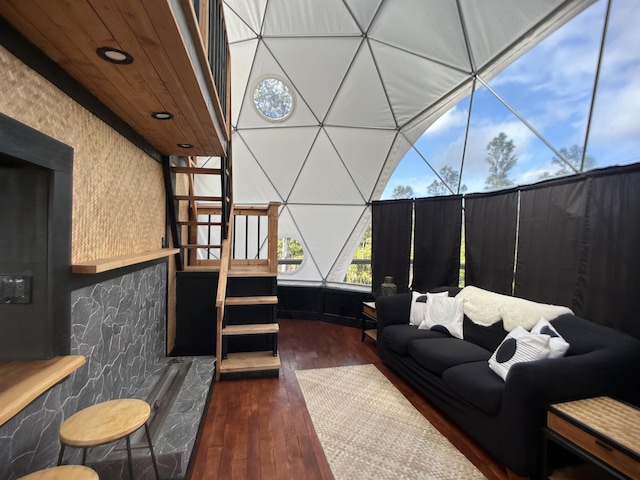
(368, 316)
(601, 430)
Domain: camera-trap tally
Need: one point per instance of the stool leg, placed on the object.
(62, 445)
(153, 455)
(129, 457)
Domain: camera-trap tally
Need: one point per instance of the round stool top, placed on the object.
(65, 472)
(104, 422)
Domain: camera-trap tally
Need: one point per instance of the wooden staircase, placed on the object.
(246, 298)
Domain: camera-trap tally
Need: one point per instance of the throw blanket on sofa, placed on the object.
(486, 308)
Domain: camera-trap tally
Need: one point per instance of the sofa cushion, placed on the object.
(557, 344)
(397, 337)
(487, 337)
(476, 383)
(519, 346)
(419, 306)
(438, 354)
(443, 314)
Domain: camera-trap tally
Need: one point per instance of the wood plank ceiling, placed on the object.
(161, 77)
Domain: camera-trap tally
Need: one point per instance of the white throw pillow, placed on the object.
(444, 314)
(419, 305)
(518, 346)
(557, 344)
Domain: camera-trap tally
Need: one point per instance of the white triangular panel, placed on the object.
(430, 28)
(237, 28)
(363, 10)
(264, 66)
(400, 147)
(242, 54)
(323, 178)
(490, 32)
(316, 66)
(252, 13)
(340, 267)
(308, 17)
(308, 269)
(281, 153)
(411, 94)
(361, 101)
(250, 184)
(363, 151)
(325, 229)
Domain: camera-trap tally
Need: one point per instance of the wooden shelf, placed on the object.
(106, 264)
(23, 381)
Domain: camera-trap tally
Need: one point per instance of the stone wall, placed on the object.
(119, 327)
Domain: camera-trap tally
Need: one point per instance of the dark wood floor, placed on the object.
(260, 428)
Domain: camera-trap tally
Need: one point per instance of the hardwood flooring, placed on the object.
(259, 429)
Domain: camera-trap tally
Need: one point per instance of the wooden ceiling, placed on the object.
(161, 77)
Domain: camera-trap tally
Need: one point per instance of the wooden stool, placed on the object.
(65, 472)
(104, 423)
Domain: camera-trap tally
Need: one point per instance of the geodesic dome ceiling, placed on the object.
(362, 81)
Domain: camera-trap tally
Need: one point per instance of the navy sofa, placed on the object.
(505, 417)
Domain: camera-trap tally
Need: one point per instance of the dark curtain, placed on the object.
(490, 240)
(550, 239)
(609, 280)
(391, 243)
(436, 256)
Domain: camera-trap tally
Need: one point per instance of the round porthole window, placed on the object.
(273, 98)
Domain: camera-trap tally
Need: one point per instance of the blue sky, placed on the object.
(550, 86)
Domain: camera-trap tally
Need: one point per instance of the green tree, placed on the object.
(361, 273)
(289, 248)
(451, 177)
(574, 157)
(402, 191)
(501, 160)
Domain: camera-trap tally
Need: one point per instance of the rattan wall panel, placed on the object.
(118, 190)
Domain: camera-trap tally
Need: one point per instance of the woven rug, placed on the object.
(368, 429)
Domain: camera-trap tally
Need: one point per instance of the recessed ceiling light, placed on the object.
(114, 55)
(162, 115)
(185, 145)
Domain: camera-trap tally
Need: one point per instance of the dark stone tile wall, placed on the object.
(119, 327)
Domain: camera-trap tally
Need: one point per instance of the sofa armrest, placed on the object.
(393, 310)
(604, 371)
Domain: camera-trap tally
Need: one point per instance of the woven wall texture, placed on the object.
(118, 190)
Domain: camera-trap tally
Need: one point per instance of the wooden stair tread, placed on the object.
(253, 300)
(199, 198)
(197, 170)
(251, 329)
(250, 362)
(251, 271)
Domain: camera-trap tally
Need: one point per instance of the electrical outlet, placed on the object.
(15, 288)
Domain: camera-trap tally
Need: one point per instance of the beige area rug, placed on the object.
(369, 430)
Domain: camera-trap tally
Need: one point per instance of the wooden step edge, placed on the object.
(250, 362)
(198, 198)
(251, 329)
(197, 245)
(197, 170)
(253, 300)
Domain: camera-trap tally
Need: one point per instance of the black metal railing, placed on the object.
(218, 51)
